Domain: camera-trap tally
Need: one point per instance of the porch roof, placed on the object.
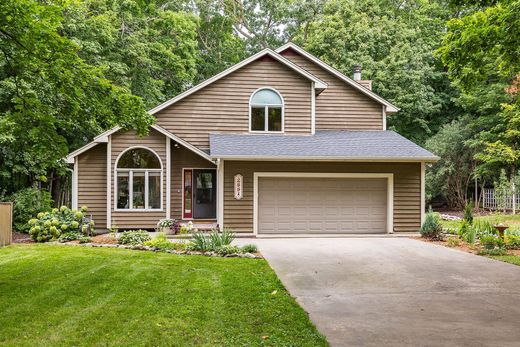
(324, 145)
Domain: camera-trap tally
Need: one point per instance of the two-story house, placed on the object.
(280, 143)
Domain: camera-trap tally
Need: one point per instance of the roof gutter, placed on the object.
(329, 158)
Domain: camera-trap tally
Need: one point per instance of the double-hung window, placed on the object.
(266, 111)
(138, 180)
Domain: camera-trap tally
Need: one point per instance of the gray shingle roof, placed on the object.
(361, 145)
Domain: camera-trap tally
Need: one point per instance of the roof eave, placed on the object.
(390, 108)
(328, 158)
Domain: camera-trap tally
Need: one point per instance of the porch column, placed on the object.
(168, 178)
(220, 193)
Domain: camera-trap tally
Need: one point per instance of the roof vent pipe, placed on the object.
(357, 72)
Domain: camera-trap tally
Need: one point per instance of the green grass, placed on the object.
(512, 220)
(59, 295)
(513, 259)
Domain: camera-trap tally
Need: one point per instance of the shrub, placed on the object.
(85, 239)
(453, 241)
(200, 242)
(484, 227)
(50, 225)
(491, 241)
(493, 252)
(134, 237)
(27, 203)
(468, 213)
(470, 235)
(227, 249)
(70, 236)
(512, 242)
(250, 248)
(431, 228)
(162, 243)
(213, 240)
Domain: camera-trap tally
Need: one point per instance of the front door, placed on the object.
(200, 194)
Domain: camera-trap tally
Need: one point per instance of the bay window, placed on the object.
(138, 183)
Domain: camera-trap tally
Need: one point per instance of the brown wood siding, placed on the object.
(238, 214)
(183, 158)
(120, 142)
(223, 106)
(340, 106)
(92, 183)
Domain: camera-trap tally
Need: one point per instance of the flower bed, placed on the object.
(155, 249)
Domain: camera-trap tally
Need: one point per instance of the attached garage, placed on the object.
(320, 203)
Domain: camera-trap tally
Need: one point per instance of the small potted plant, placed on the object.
(165, 225)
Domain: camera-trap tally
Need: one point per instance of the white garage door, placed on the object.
(295, 205)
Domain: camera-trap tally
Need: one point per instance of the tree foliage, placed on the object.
(51, 99)
(72, 68)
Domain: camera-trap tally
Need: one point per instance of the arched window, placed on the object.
(266, 111)
(138, 180)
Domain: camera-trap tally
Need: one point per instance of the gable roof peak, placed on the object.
(318, 83)
(390, 108)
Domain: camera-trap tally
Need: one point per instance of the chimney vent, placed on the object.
(357, 72)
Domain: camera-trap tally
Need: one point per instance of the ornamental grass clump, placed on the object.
(432, 227)
(50, 225)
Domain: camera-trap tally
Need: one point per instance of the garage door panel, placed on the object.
(321, 205)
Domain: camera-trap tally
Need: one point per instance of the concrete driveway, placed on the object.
(399, 291)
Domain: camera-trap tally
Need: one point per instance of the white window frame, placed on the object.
(130, 172)
(266, 107)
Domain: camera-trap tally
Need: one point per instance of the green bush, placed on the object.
(134, 237)
(84, 239)
(227, 249)
(468, 213)
(70, 236)
(470, 235)
(491, 241)
(250, 248)
(163, 244)
(432, 227)
(50, 225)
(453, 241)
(26, 204)
(493, 252)
(512, 242)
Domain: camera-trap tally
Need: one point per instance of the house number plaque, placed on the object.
(239, 186)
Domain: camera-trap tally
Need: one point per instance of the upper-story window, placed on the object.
(138, 180)
(266, 111)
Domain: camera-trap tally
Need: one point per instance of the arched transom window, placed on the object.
(138, 180)
(266, 111)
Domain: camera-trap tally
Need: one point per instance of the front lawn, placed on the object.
(64, 295)
(513, 259)
(507, 219)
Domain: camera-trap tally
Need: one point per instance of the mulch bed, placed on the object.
(463, 246)
(21, 238)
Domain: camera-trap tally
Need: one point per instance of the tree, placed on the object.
(148, 47)
(51, 100)
(394, 42)
(481, 49)
(453, 174)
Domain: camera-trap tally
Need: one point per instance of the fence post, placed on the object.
(514, 198)
(6, 222)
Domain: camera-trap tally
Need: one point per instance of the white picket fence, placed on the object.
(491, 202)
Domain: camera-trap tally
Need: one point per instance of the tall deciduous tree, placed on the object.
(148, 47)
(394, 41)
(51, 100)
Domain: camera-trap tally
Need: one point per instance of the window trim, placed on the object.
(266, 106)
(130, 183)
